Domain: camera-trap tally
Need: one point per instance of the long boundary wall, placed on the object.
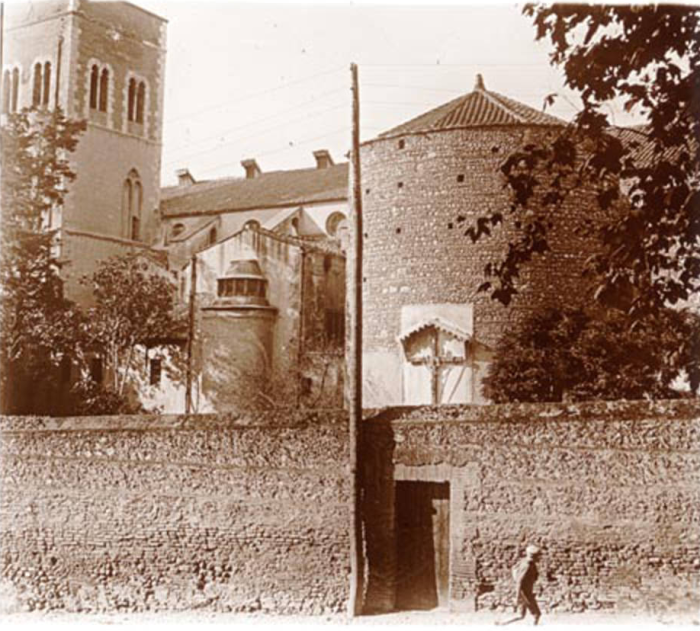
(251, 514)
(133, 513)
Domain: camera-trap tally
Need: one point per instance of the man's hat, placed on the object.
(532, 550)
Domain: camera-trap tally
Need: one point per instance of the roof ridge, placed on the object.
(493, 98)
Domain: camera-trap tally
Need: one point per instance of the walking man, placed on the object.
(524, 575)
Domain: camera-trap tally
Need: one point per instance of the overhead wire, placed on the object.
(255, 135)
(261, 120)
(253, 95)
(292, 145)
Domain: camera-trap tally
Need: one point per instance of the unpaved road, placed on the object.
(427, 620)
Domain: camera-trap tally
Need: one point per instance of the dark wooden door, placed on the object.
(423, 544)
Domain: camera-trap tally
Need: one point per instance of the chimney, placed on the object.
(252, 170)
(184, 177)
(323, 159)
(479, 83)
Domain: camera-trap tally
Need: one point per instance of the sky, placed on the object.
(272, 82)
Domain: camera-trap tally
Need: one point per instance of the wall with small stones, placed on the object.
(415, 252)
(222, 513)
(610, 491)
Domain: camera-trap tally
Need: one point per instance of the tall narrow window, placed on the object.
(132, 100)
(38, 82)
(94, 81)
(15, 89)
(135, 208)
(47, 83)
(126, 204)
(6, 89)
(104, 89)
(140, 102)
(213, 235)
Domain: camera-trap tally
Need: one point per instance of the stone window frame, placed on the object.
(333, 222)
(41, 98)
(134, 127)
(12, 77)
(132, 205)
(95, 114)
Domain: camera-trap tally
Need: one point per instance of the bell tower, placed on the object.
(102, 62)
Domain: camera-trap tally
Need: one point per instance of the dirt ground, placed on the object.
(416, 619)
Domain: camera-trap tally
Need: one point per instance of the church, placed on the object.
(262, 256)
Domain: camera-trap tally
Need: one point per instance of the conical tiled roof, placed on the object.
(479, 108)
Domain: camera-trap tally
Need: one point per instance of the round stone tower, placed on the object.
(237, 328)
(428, 335)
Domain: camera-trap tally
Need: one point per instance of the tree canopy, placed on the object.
(645, 183)
(577, 353)
(134, 308)
(37, 323)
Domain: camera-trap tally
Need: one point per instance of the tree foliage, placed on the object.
(645, 183)
(580, 354)
(37, 323)
(134, 308)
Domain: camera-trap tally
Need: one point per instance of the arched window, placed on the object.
(104, 89)
(136, 203)
(15, 89)
(94, 81)
(140, 102)
(213, 235)
(251, 224)
(6, 89)
(126, 203)
(47, 83)
(178, 229)
(333, 223)
(132, 100)
(132, 202)
(38, 83)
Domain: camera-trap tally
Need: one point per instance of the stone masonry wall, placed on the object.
(241, 514)
(415, 252)
(136, 513)
(611, 492)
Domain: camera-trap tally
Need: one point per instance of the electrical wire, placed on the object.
(253, 95)
(256, 134)
(260, 120)
(292, 145)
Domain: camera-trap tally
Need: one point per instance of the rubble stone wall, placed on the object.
(610, 491)
(241, 514)
(415, 251)
(137, 513)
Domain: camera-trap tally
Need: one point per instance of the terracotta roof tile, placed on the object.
(268, 190)
(480, 108)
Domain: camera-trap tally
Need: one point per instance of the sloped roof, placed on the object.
(438, 323)
(479, 108)
(268, 190)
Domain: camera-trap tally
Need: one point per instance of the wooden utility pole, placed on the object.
(190, 335)
(354, 361)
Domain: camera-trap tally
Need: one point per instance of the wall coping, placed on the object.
(269, 419)
(603, 411)
(667, 409)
